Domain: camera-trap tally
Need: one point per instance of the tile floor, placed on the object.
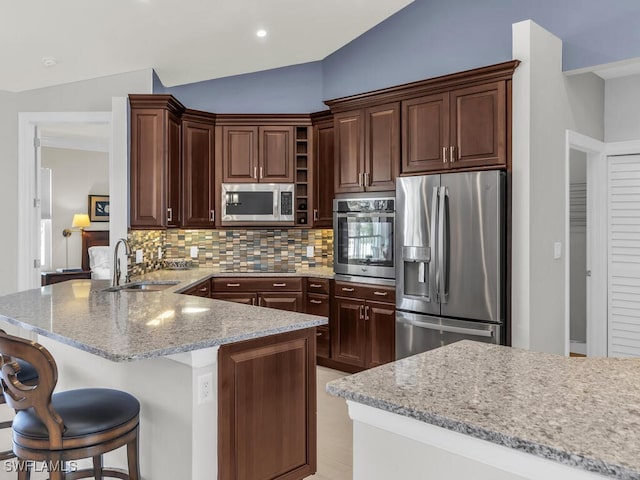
(335, 437)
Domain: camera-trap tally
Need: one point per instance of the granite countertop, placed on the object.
(583, 412)
(124, 325)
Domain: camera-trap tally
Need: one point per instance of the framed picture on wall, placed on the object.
(99, 208)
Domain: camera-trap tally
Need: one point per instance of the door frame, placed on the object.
(597, 298)
(28, 185)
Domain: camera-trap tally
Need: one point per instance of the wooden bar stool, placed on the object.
(66, 426)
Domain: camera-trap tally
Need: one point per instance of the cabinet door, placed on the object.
(244, 298)
(203, 289)
(276, 155)
(267, 407)
(323, 344)
(197, 174)
(281, 301)
(148, 133)
(382, 150)
(381, 326)
(239, 154)
(425, 133)
(478, 123)
(349, 337)
(174, 176)
(349, 151)
(323, 176)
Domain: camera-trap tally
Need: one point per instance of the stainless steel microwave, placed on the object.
(257, 203)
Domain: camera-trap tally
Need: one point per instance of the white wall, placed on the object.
(545, 104)
(75, 175)
(85, 96)
(622, 109)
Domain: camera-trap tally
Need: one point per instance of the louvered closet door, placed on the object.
(624, 256)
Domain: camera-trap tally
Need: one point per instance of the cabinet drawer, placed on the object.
(323, 343)
(318, 305)
(318, 285)
(366, 292)
(257, 284)
(200, 290)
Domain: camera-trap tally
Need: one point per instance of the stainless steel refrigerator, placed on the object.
(450, 260)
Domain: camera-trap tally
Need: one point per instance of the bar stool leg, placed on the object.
(132, 459)
(24, 470)
(97, 467)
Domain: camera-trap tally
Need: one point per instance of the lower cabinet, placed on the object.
(363, 328)
(270, 292)
(202, 289)
(267, 408)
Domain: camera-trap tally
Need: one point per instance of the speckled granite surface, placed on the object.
(583, 412)
(124, 325)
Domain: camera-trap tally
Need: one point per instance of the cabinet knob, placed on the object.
(279, 284)
(315, 214)
(444, 154)
(203, 289)
(452, 153)
(212, 215)
(315, 301)
(233, 284)
(169, 214)
(315, 285)
(255, 172)
(345, 289)
(381, 294)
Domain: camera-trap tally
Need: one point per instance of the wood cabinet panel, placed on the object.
(318, 305)
(348, 338)
(278, 284)
(239, 154)
(198, 174)
(174, 175)
(276, 154)
(318, 285)
(382, 151)
(323, 343)
(381, 327)
(267, 408)
(281, 301)
(324, 183)
(479, 126)
(349, 151)
(243, 298)
(425, 133)
(203, 289)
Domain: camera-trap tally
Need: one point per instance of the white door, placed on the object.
(624, 255)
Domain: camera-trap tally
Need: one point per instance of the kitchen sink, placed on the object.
(143, 286)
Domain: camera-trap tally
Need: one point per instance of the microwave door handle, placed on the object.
(276, 203)
(443, 257)
(434, 278)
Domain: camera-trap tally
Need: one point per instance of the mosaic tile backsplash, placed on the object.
(273, 250)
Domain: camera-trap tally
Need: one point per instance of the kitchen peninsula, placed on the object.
(204, 371)
(473, 410)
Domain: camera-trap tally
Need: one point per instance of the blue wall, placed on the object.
(294, 89)
(426, 39)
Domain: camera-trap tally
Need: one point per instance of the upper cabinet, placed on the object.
(257, 154)
(323, 178)
(155, 161)
(198, 167)
(465, 127)
(367, 148)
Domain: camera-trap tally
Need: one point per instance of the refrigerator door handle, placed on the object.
(434, 278)
(443, 254)
(445, 328)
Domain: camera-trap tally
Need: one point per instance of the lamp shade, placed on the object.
(80, 220)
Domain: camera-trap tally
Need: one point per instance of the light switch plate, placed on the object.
(194, 252)
(159, 253)
(139, 256)
(310, 251)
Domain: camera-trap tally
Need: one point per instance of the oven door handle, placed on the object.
(365, 215)
(445, 328)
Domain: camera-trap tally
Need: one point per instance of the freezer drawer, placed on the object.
(416, 333)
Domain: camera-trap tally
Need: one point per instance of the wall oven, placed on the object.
(257, 202)
(363, 236)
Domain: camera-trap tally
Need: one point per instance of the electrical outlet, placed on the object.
(194, 252)
(310, 251)
(139, 256)
(557, 250)
(205, 388)
(159, 253)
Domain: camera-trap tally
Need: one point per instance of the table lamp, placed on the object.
(80, 222)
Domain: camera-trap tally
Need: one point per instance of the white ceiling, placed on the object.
(184, 41)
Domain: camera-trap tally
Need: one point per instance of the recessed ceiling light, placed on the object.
(49, 61)
(261, 33)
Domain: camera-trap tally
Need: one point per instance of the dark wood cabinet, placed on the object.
(155, 181)
(267, 407)
(323, 178)
(271, 292)
(243, 298)
(49, 278)
(463, 128)
(363, 326)
(198, 180)
(291, 301)
(202, 289)
(367, 144)
(318, 302)
(258, 154)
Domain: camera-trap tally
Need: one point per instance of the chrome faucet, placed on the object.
(116, 262)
